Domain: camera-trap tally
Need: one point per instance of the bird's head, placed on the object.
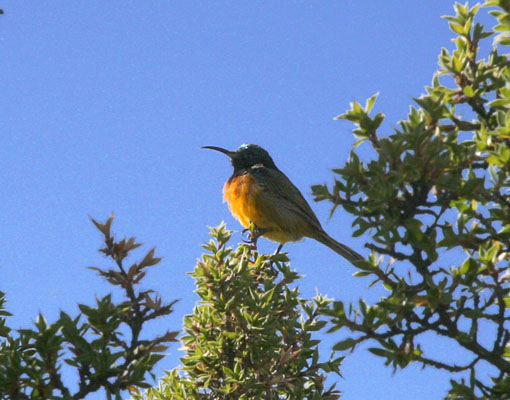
(246, 156)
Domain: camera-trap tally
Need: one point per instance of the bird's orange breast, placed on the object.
(249, 203)
(241, 194)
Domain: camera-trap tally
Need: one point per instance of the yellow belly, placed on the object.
(247, 205)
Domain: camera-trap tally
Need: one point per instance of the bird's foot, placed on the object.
(254, 233)
(278, 249)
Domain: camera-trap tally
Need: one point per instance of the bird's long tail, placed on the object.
(339, 248)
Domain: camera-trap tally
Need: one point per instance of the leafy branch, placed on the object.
(430, 189)
(102, 343)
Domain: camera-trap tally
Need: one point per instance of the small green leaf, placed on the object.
(507, 302)
(468, 91)
(345, 344)
(370, 103)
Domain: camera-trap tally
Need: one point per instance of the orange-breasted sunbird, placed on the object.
(259, 194)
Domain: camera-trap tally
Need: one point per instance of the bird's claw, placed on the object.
(248, 236)
(254, 233)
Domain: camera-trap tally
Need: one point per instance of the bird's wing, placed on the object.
(280, 189)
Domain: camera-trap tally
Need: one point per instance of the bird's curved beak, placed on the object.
(221, 150)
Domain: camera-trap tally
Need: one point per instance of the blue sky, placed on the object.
(105, 106)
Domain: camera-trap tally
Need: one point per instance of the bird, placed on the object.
(259, 194)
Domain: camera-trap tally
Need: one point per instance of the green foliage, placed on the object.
(4, 329)
(102, 343)
(436, 189)
(250, 336)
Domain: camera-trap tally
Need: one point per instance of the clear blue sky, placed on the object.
(104, 108)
